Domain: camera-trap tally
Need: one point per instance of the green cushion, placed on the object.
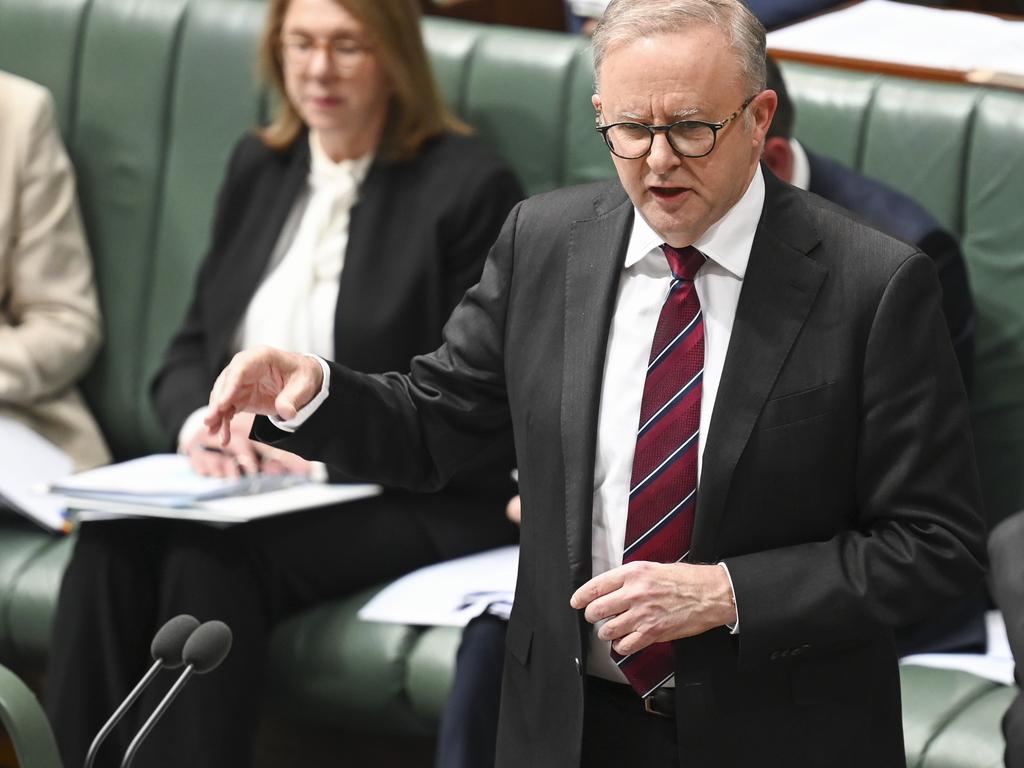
(994, 245)
(33, 601)
(429, 670)
(39, 39)
(916, 140)
(931, 699)
(126, 74)
(207, 113)
(451, 45)
(831, 108)
(973, 739)
(516, 98)
(587, 157)
(19, 546)
(328, 665)
(24, 721)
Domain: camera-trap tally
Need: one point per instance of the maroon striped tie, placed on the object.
(663, 488)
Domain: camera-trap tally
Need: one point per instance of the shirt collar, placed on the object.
(801, 166)
(727, 242)
(323, 170)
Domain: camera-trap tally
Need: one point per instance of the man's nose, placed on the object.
(662, 158)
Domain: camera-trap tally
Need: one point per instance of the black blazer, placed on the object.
(418, 237)
(838, 483)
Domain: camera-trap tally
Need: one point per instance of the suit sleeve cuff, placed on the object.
(733, 628)
(290, 425)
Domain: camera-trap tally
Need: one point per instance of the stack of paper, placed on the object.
(28, 463)
(164, 485)
(165, 480)
(912, 35)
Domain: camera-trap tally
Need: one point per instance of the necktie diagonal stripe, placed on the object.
(663, 488)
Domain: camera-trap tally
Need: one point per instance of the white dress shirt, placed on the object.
(643, 288)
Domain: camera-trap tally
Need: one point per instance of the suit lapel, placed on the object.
(779, 289)
(596, 251)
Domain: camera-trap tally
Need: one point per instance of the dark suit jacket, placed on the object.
(775, 13)
(838, 482)
(900, 216)
(418, 237)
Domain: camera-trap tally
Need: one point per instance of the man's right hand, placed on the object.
(263, 381)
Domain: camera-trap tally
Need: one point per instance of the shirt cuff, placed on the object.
(733, 628)
(192, 425)
(290, 425)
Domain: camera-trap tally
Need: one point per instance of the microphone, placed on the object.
(204, 650)
(167, 648)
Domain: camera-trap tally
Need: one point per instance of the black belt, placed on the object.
(660, 703)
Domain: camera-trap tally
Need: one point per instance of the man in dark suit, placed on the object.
(777, 13)
(960, 625)
(696, 320)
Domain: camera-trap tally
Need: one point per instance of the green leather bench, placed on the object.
(151, 96)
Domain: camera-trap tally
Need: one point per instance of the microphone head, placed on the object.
(169, 641)
(207, 646)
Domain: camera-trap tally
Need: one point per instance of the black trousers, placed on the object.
(468, 733)
(127, 577)
(618, 732)
(1006, 575)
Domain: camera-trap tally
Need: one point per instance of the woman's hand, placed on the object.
(240, 456)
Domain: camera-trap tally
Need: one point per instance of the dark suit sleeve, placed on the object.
(957, 304)
(916, 540)
(416, 431)
(183, 382)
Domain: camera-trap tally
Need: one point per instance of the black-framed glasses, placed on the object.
(689, 138)
(344, 53)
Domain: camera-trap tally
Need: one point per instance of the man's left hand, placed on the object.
(649, 603)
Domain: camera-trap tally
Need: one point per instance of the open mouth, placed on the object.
(669, 193)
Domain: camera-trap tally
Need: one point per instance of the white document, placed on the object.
(880, 30)
(164, 485)
(28, 463)
(163, 479)
(996, 664)
(449, 593)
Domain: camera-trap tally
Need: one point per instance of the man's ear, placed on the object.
(762, 109)
(596, 101)
(778, 156)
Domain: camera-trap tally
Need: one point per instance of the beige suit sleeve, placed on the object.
(49, 313)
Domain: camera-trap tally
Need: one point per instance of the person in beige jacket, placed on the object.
(49, 312)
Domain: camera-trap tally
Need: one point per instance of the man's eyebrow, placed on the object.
(680, 114)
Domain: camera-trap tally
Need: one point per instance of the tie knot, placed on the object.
(684, 262)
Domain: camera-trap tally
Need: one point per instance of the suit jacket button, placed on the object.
(579, 666)
(774, 655)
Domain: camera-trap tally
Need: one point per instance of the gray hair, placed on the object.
(626, 21)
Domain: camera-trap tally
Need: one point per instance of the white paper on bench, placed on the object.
(879, 30)
(28, 463)
(449, 593)
(996, 664)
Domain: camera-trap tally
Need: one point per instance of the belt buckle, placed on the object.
(651, 708)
